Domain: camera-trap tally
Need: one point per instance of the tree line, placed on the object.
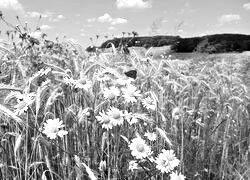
(217, 43)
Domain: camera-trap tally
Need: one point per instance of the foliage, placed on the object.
(154, 41)
(217, 43)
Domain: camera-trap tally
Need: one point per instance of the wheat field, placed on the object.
(67, 114)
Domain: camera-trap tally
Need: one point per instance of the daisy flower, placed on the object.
(111, 93)
(116, 116)
(149, 103)
(124, 81)
(150, 136)
(166, 161)
(130, 93)
(139, 148)
(83, 84)
(101, 77)
(105, 120)
(23, 102)
(130, 118)
(133, 165)
(51, 128)
(176, 176)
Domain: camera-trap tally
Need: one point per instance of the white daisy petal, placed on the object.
(176, 176)
(166, 161)
(111, 93)
(61, 133)
(130, 94)
(149, 103)
(105, 120)
(150, 136)
(116, 116)
(51, 128)
(130, 118)
(133, 165)
(139, 148)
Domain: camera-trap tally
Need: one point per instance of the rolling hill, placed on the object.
(217, 43)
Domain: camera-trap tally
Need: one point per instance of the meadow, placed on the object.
(67, 114)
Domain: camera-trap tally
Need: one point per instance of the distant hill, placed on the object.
(143, 41)
(217, 43)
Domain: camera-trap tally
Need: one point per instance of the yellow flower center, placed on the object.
(170, 158)
(53, 129)
(116, 115)
(82, 81)
(106, 120)
(131, 94)
(111, 96)
(140, 147)
(164, 163)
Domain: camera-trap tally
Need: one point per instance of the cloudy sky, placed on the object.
(79, 20)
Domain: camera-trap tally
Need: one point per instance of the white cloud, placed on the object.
(91, 20)
(50, 15)
(56, 18)
(118, 21)
(11, 4)
(60, 16)
(229, 18)
(141, 4)
(45, 27)
(35, 14)
(246, 6)
(107, 18)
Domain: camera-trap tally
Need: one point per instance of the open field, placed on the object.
(241, 60)
(69, 115)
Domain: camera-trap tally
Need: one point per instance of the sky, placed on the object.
(82, 20)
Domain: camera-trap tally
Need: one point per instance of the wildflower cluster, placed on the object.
(165, 162)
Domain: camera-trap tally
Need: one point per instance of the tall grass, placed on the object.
(202, 114)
